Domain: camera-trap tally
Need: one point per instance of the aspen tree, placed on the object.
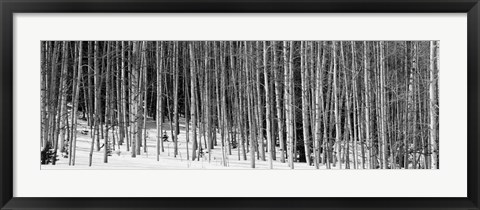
(267, 103)
(305, 101)
(61, 121)
(159, 107)
(124, 99)
(382, 107)
(259, 105)
(175, 97)
(336, 110)
(250, 107)
(75, 105)
(433, 103)
(107, 107)
(278, 99)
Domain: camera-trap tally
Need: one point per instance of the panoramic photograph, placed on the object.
(239, 104)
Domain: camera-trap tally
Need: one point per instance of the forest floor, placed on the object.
(121, 158)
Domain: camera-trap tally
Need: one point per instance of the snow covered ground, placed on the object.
(121, 158)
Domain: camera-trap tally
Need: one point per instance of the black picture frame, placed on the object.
(9, 7)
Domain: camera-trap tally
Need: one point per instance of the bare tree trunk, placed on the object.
(259, 107)
(139, 95)
(102, 114)
(97, 81)
(175, 97)
(347, 127)
(289, 102)
(219, 68)
(433, 103)
(207, 106)
(267, 103)
(47, 56)
(412, 103)
(198, 100)
(121, 128)
(145, 99)
(95, 77)
(329, 119)
(134, 96)
(350, 107)
(278, 98)
(53, 99)
(186, 102)
(319, 109)
(250, 108)
(223, 99)
(75, 104)
(305, 102)
(240, 102)
(91, 73)
(124, 99)
(355, 111)
(382, 107)
(193, 95)
(62, 123)
(43, 93)
(159, 47)
(366, 70)
(107, 107)
(337, 114)
(130, 101)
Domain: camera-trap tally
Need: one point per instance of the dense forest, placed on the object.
(319, 104)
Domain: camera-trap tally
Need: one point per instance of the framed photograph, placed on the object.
(239, 105)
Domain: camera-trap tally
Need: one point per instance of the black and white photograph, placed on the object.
(239, 104)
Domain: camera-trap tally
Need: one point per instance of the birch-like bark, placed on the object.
(433, 103)
(336, 110)
(305, 101)
(267, 103)
(75, 106)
